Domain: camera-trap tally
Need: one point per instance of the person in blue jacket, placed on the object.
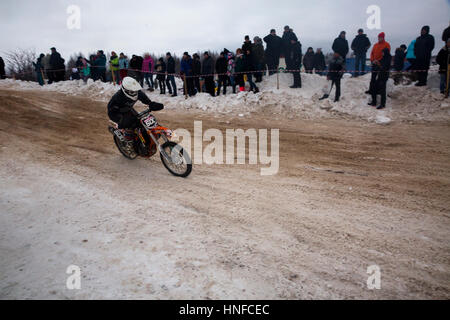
(38, 68)
(411, 58)
(99, 65)
(186, 70)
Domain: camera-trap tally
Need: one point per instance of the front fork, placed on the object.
(158, 145)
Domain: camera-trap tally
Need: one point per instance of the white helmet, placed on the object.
(131, 88)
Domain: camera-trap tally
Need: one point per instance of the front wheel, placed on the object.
(176, 159)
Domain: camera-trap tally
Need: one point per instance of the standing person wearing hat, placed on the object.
(423, 49)
(273, 51)
(38, 67)
(186, 71)
(99, 64)
(208, 74)
(399, 63)
(375, 58)
(258, 58)
(308, 60)
(196, 71)
(295, 59)
(57, 67)
(221, 70)
(288, 36)
(114, 65)
(148, 67)
(340, 45)
(360, 45)
(123, 66)
(170, 80)
(381, 78)
(319, 62)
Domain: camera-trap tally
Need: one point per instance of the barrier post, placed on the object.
(42, 74)
(112, 74)
(448, 76)
(185, 87)
(278, 79)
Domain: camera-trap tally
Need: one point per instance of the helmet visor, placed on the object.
(131, 93)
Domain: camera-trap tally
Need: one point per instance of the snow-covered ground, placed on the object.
(405, 103)
(350, 194)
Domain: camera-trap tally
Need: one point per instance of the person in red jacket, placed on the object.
(375, 58)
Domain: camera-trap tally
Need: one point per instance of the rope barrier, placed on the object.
(180, 75)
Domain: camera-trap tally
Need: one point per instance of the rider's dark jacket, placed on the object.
(121, 111)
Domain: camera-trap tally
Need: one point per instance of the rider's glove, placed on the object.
(155, 106)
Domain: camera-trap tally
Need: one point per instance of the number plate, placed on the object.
(150, 122)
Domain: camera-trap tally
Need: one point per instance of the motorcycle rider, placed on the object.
(121, 111)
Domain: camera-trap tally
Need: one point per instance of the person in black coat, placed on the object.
(161, 69)
(57, 66)
(249, 62)
(335, 73)
(247, 50)
(208, 74)
(273, 51)
(399, 63)
(308, 60)
(258, 58)
(288, 37)
(360, 45)
(170, 80)
(247, 47)
(295, 62)
(319, 62)
(423, 49)
(442, 60)
(221, 70)
(121, 111)
(2, 68)
(340, 45)
(196, 71)
(136, 68)
(384, 65)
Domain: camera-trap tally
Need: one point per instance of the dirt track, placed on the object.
(349, 195)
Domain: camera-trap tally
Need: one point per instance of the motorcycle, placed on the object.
(149, 138)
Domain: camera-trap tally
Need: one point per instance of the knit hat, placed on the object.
(426, 28)
(382, 35)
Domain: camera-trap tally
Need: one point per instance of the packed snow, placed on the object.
(405, 102)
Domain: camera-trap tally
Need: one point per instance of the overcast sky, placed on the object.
(178, 26)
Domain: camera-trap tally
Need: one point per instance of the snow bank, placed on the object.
(405, 103)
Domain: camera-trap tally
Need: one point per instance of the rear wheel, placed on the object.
(177, 160)
(125, 149)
